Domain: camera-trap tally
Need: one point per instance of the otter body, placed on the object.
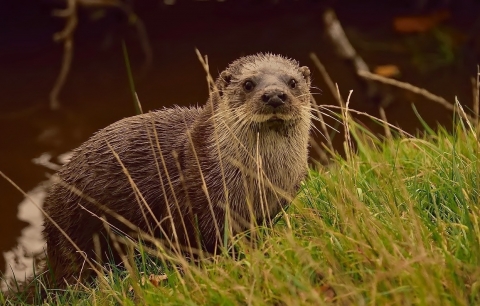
(177, 173)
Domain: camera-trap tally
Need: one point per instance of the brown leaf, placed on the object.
(421, 23)
(157, 279)
(387, 71)
(327, 292)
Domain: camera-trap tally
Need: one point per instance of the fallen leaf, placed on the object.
(421, 23)
(157, 279)
(327, 292)
(387, 71)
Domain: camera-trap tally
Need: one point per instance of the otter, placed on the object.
(185, 175)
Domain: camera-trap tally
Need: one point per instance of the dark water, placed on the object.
(97, 91)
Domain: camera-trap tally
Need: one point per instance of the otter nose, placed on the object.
(274, 98)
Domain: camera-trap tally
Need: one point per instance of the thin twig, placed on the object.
(371, 117)
(383, 116)
(327, 79)
(322, 123)
(66, 35)
(347, 52)
(414, 89)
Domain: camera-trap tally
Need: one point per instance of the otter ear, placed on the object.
(222, 81)
(306, 74)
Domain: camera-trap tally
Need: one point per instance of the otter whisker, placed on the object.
(316, 87)
(327, 108)
(303, 95)
(315, 129)
(310, 109)
(326, 124)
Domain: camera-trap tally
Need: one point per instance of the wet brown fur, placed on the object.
(220, 144)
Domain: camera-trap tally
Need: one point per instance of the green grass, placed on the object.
(395, 224)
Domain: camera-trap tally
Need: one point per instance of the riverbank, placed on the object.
(397, 222)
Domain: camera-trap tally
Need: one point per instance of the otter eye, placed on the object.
(292, 83)
(248, 85)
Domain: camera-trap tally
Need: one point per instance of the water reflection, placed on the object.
(30, 248)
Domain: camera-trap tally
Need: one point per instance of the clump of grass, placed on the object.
(399, 221)
(395, 223)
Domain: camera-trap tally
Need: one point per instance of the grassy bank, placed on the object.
(396, 223)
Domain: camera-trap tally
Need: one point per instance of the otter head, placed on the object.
(265, 90)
